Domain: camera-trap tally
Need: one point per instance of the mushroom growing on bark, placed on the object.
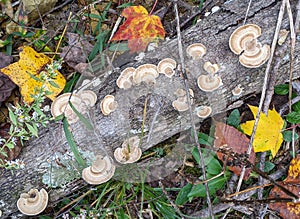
(196, 51)
(88, 98)
(61, 106)
(33, 202)
(181, 103)
(101, 171)
(211, 81)
(129, 152)
(237, 91)
(243, 41)
(167, 67)
(108, 104)
(146, 73)
(203, 111)
(125, 79)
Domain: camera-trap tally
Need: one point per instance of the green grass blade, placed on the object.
(81, 117)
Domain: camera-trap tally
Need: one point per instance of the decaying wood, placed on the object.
(110, 131)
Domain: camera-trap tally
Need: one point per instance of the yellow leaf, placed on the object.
(31, 66)
(268, 134)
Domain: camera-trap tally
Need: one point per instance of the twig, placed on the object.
(247, 12)
(190, 108)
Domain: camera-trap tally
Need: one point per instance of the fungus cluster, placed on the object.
(181, 103)
(243, 41)
(33, 202)
(211, 81)
(196, 51)
(99, 172)
(108, 104)
(146, 73)
(203, 111)
(129, 152)
(81, 102)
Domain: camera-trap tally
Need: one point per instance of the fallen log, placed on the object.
(161, 121)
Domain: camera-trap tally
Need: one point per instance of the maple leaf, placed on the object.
(28, 69)
(288, 210)
(139, 29)
(237, 141)
(268, 135)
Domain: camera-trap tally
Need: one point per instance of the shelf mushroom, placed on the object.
(61, 106)
(125, 80)
(210, 82)
(203, 111)
(181, 104)
(33, 203)
(100, 172)
(237, 91)
(196, 51)
(88, 98)
(108, 104)
(243, 41)
(167, 67)
(129, 152)
(146, 73)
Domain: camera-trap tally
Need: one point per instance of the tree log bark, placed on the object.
(162, 121)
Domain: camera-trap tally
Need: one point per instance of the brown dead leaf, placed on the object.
(6, 85)
(237, 141)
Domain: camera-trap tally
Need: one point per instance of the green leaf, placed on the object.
(70, 84)
(53, 84)
(81, 117)
(72, 143)
(205, 139)
(32, 130)
(10, 145)
(281, 89)
(293, 117)
(296, 106)
(182, 196)
(12, 117)
(288, 136)
(268, 166)
(207, 154)
(234, 118)
(213, 186)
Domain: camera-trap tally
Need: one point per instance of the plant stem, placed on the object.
(153, 7)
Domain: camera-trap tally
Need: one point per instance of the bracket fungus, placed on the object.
(61, 106)
(211, 81)
(196, 51)
(88, 97)
(125, 80)
(181, 104)
(33, 203)
(203, 111)
(129, 152)
(100, 172)
(108, 104)
(243, 41)
(146, 73)
(237, 91)
(167, 67)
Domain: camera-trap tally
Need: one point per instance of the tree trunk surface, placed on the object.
(44, 154)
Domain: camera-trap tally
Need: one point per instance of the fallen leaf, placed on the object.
(139, 29)
(6, 85)
(268, 134)
(288, 210)
(237, 141)
(30, 65)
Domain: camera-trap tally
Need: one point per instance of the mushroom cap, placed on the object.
(208, 84)
(180, 105)
(196, 51)
(33, 202)
(166, 66)
(211, 68)
(125, 79)
(88, 97)
(146, 72)
(203, 111)
(108, 104)
(101, 171)
(61, 105)
(241, 35)
(255, 58)
(129, 152)
(237, 90)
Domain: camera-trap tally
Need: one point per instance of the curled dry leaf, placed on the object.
(288, 210)
(237, 141)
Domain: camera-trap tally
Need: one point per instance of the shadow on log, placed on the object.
(162, 121)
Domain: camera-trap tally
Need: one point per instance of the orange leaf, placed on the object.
(288, 210)
(139, 29)
(30, 65)
(237, 141)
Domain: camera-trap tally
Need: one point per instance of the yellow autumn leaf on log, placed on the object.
(268, 134)
(30, 75)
